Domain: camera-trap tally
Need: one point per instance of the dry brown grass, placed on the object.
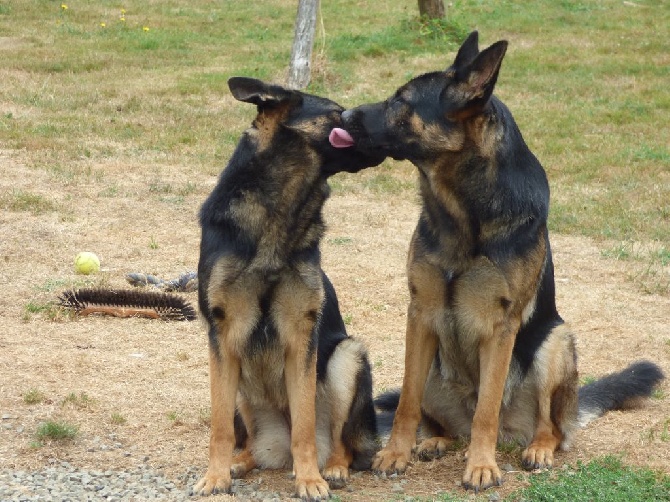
(154, 374)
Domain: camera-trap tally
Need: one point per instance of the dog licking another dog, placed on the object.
(487, 357)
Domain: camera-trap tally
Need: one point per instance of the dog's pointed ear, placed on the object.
(251, 90)
(473, 84)
(483, 71)
(468, 51)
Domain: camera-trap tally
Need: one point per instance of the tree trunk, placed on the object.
(432, 9)
(303, 41)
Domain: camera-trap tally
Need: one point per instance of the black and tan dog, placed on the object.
(487, 354)
(279, 352)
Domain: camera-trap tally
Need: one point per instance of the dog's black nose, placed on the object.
(346, 114)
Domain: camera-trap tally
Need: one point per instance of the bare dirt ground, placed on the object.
(155, 374)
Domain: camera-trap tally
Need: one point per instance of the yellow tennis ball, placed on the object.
(86, 263)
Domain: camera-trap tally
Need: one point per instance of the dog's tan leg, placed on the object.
(224, 372)
(301, 389)
(298, 300)
(345, 366)
(420, 348)
(421, 345)
(244, 461)
(557, 398)
(540, 453)
(495, 354)
(235, 311)
(488, 324)
(336, 471)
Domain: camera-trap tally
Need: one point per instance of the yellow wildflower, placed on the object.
(63, 6)
(145, 28)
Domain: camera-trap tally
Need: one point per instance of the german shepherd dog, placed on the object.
(487, 354)
(281, 364)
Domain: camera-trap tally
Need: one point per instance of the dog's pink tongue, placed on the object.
(340, 138)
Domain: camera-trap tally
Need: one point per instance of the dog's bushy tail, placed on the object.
(386, 403)
(612, 392)
(617, 390)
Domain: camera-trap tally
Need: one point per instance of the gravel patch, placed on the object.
(64, 482)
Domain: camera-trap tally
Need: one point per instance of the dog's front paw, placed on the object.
(213, 483)
(481, 475)
(432, 448)
(315, 489)
(391, 461)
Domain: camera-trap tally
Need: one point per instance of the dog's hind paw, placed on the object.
(540, 452)
(212, 484)
(336, 476)
(433, 448)
(390, 461)
(242, 463)
(537, 458)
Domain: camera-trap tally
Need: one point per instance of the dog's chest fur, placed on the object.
(262, 380)
(267, 287)
(275, 204)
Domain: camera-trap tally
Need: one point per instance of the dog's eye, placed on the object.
(394, 102)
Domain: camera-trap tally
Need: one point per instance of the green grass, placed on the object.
(584, 84)
(56, 431)
(651, 276)
(117, 419)
(80, 401)
(386, 183)
(175, 417)
(605, 479)
(340, 241)
(33, 396)
(22, 201)
(662, 432)
(586, 379)
(406, 37)
(35, 308)
(665, 433)
(205, 416)
(49, 309)
(44, 304)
